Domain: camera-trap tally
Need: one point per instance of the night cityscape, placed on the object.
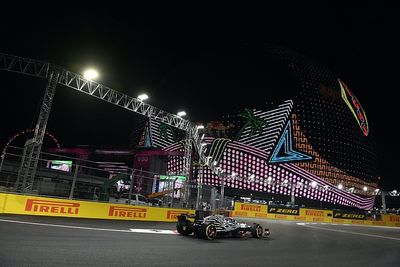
(287, 128)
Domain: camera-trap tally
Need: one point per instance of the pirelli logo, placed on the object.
(348, 215)
(393, 218)
(287, 211)
(127, 212)
(247, 207)
(173, 214)
(314, 213)
(52, 207)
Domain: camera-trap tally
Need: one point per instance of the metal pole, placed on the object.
(173, 192)
(2, 160)
(212, 198)
(383, 194)
(71, 192)
(199, 187)
(292, 195)
(131, 186)
(222, 191)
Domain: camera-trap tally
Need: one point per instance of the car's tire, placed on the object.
(184, 228)
(207, 231)
(256, 231)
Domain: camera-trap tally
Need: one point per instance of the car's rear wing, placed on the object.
(199, 215)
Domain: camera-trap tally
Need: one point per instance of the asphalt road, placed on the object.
(47, 241)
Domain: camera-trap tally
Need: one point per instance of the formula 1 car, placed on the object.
(212, 226)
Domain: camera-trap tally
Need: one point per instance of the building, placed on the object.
(315, 145)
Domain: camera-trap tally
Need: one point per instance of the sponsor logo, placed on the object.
(314, 213)
(52, 207)
(124, 212)
(280, 216)
(284, 211)
(247, 207)
(393, 218)
(355, 107)
(261, 215)
(173, 214)
(342, 215)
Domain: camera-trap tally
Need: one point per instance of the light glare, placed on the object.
(90, 74)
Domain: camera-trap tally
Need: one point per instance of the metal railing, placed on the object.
(74, 178)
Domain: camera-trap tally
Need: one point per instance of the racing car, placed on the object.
(209, 226)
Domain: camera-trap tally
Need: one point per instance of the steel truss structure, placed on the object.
(58, 75)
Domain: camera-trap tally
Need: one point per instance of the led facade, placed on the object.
(310, 145)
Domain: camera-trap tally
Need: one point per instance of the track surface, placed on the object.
(86, 242)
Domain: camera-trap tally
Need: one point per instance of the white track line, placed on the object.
(350, 232)
(154, 231)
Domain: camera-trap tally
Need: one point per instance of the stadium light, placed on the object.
(340, 186)
(200, 127)
(143, 97)
(181, 113)
(90, 74)
(314, 184)
(365, 189)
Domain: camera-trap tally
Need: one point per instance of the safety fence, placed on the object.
(106, 181)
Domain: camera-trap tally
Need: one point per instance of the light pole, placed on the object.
(187, 163)
(222, 188)
(199, 187)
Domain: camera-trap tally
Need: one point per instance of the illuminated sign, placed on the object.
(62, 165)
(52, 207)
(173, 177)
(284, 151)
(127, 212)
(355, 107)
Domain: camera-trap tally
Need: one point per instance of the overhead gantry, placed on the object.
(57, 75)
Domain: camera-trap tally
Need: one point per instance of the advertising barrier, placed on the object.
(250, 210)
(41, 206)
(311, 215)
(29, 205)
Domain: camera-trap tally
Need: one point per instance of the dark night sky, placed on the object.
(194, 58)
